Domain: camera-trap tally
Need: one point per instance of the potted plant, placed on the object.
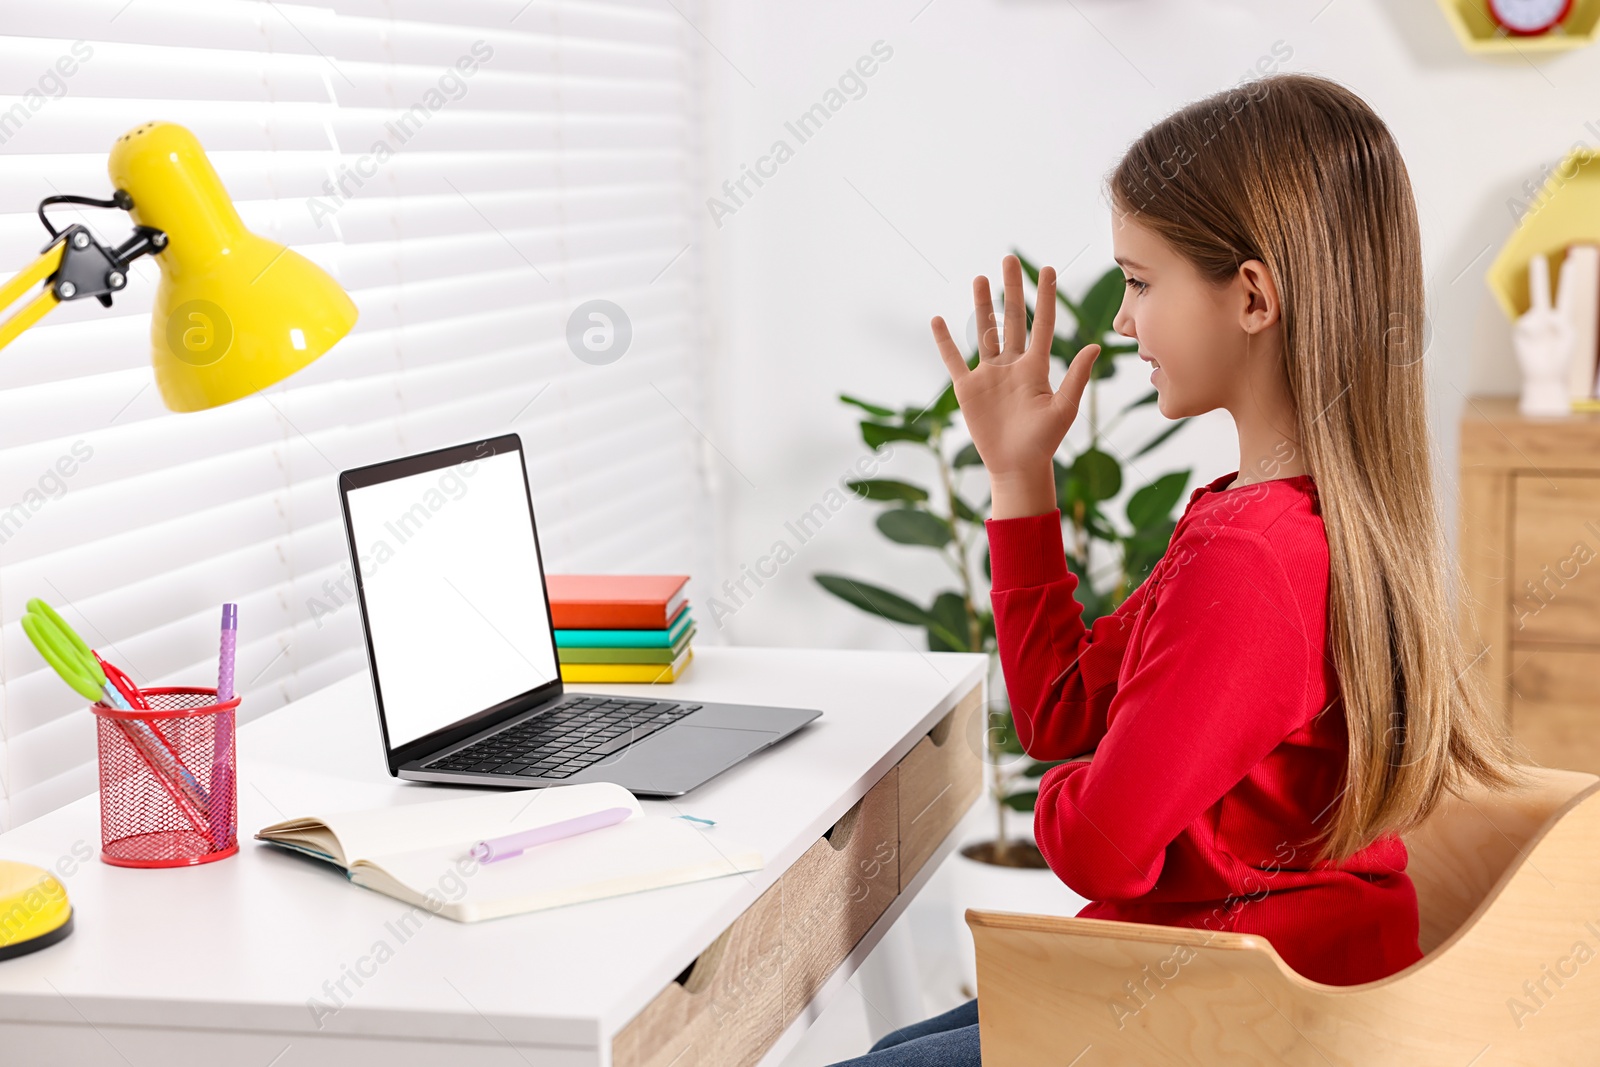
(1110, 559)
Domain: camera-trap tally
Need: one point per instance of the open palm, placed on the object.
(1016, 420)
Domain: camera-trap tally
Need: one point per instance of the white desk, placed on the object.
(220, 963)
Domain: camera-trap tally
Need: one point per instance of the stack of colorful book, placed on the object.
(621, 627)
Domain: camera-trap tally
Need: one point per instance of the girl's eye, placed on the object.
(1134, 281)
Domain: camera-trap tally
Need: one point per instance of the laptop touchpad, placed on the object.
(682, 755)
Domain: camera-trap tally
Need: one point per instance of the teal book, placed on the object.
(626, 638)
(631, 654)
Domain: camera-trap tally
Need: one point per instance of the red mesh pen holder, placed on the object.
(167, 776)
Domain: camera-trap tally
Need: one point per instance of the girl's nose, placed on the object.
(1123, 322)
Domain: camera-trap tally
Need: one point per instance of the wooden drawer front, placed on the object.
(837, 889)
(726, 1009)
(939, 780)
(1555, 706)
(1555, 547)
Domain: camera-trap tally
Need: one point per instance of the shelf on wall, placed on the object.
(1480, 34)
(1566, 209)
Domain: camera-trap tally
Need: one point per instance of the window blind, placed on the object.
(473, 173)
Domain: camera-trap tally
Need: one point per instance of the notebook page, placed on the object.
(643, 852)
(461, 821)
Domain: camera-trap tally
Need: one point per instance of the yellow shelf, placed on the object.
(1565, 210)
(1480, 33)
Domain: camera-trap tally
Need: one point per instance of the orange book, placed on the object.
(615, 601)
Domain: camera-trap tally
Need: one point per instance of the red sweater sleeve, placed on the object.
(1222, 678)
(1060, 675)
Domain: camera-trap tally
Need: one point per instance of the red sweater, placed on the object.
(1199, 697)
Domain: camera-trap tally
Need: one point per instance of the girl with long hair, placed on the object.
(1254, 727)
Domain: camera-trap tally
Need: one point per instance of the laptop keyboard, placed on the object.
(566, 739)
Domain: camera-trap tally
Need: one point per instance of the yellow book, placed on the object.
(626, 672)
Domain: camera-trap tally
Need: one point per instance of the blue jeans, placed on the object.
(948, 1040)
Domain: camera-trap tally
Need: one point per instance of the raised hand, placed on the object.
(1016, 420)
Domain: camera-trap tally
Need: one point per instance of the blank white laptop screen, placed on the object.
(455, 602)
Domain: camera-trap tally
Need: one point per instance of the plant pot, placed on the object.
(976, 884)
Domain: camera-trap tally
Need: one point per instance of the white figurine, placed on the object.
(1543, 340)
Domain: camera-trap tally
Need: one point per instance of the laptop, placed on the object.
(465, 674)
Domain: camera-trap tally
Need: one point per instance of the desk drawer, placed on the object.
(726, 1009)
(837, 889)
(1555, 582)
(1554, 711)
(939, 780)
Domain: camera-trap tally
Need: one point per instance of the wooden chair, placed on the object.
(1508, 888)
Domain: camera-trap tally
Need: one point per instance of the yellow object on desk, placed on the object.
(627, 672)
(34, 912)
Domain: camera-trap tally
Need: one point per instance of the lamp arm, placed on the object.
(75, 265)
(34, 310)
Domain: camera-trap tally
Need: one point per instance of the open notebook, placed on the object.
(420, 853)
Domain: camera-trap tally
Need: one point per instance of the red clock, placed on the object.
(1528, 18)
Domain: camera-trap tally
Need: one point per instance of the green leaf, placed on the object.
(1099, 306)
(912, 526)
(946, 405)
(967, 457)
(1002, 733)
(1036, 769)
(887, 489)
(874, 600)
(875, 434)
(1097, 475)
(1149, 398)
(1033, 275)
(1095, 604)
(1027, 268)
(1155, 502)
(964, 510)
(1095, 521)
(871, 409)
(950, 609)
(1022, 801)
(1142, 551)
(1160, 437)
(929, 416)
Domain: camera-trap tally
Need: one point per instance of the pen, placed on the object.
(511, 845)
(221, 764)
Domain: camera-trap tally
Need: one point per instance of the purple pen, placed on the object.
(221, 818)
(511, 845)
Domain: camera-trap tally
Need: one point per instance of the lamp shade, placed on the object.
(234, 313)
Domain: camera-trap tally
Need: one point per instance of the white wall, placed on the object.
(990, 127)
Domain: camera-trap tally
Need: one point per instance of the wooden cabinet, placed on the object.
(1529, 538)
(734, 1001)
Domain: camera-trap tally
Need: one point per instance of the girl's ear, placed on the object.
(1261, 306)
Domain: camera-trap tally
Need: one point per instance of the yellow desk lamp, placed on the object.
(34, 912)
(233, 312)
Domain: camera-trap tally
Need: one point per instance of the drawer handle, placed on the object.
(696, 978)
(840, 833)
(941, 729)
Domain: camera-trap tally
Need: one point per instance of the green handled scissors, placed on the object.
(76, 663)
(65, 651)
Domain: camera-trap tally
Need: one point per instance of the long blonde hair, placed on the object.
(1298, 172)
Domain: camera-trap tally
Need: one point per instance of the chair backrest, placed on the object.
(1463, 848)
